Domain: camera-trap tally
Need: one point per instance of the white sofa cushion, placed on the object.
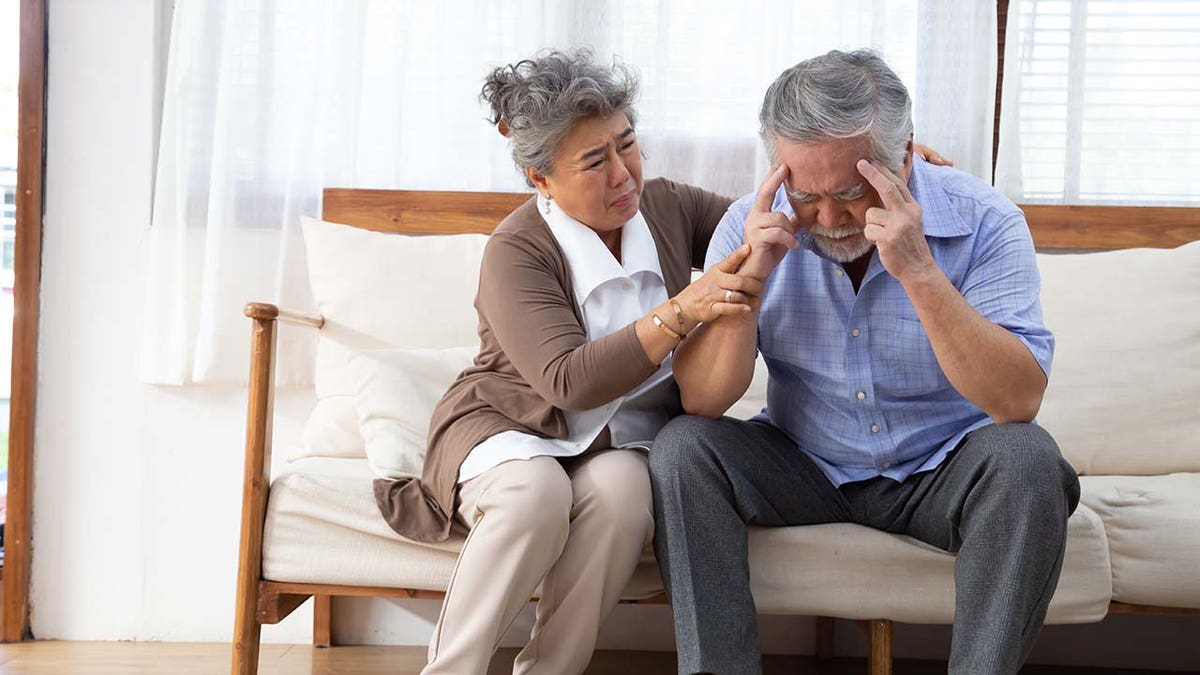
(331, 430)
(396, 391)
(1153, 527)
(379, 291)
(1125, 385)
(323, 526)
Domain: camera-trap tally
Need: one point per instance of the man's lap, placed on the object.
(775, 484)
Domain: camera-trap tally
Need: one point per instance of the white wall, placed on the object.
(137, 495)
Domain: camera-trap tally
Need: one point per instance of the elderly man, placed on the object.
(903, 333)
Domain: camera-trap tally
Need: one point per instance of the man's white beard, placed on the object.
(843, 244)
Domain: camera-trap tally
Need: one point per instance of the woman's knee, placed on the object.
(532, 496)
(616, 495)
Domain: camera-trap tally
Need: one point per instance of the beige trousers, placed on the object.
(577, 526)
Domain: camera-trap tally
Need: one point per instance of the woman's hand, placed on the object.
(721, 291)
(932, 156)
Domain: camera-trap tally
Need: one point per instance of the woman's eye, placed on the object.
(596, 164)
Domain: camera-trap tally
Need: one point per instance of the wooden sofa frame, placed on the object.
(261, 601)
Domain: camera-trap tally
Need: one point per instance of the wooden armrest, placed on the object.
(262, 311)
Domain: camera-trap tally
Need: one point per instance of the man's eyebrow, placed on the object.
(855, 189)
(598, 151)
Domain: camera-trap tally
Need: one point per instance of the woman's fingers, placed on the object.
(734, 260)
(743, 283)
(729, 308)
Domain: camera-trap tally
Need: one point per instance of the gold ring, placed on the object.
(729, 297)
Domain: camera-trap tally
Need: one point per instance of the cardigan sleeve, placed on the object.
(534, 322)
(702, 210)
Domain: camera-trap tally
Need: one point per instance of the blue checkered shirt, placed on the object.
(853, 378)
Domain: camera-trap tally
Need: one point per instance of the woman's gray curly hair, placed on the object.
(536, 101)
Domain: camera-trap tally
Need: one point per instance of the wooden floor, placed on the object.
(137, 658)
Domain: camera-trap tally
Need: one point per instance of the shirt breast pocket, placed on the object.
(906, 362)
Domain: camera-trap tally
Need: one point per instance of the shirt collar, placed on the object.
(938, 218)
(590, 261)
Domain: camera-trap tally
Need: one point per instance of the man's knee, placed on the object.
(678, 443)
(1024, 459)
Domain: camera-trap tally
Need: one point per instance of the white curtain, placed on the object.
(1101, 102)
(268, 101)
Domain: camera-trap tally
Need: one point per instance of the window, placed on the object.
(1101, 102)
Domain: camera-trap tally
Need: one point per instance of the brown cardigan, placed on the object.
(534, 357)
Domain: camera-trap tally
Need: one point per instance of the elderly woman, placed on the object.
(539, 448)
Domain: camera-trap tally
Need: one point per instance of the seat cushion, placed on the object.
(323, 527)
(854, 572)
(1153, 527)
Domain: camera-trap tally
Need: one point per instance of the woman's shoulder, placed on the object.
(523, 238)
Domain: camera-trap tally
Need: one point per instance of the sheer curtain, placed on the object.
(1101, 102)
(267, 102)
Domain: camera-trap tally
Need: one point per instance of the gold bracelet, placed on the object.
(679, 316)
(664, 327)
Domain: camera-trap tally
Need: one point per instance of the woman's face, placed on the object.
(597, 176)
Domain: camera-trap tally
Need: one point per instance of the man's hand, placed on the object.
(770, 234)
(896, 229)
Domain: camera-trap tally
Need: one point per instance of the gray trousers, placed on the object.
(1001, 501)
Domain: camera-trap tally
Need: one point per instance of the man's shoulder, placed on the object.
(969, 195)
(740, 207)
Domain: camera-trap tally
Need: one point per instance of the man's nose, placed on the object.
(829, 215)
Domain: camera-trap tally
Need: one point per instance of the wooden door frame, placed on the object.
(31, 137)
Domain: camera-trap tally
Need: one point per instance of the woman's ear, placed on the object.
(538, 179)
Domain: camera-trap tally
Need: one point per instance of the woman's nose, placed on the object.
(618, 172)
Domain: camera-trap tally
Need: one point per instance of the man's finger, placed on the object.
(888, 190)
(887, 173)
(873, 233)
(777, 235)
(768, 188)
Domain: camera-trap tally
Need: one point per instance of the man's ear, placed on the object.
(539, 179)
(906, 170)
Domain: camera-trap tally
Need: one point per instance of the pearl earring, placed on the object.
(546, 205)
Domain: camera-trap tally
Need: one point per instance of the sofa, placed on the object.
(394, 274)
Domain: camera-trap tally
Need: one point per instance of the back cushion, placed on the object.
(1124, 392)
(381, 291)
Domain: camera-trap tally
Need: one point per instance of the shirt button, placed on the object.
(855, 332)
(840, 273)
(874, 428)
(861, 395)
(887, 465)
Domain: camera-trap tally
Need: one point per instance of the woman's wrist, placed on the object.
(683, 315)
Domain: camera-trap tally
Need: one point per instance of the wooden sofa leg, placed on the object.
(247, 632)
(322, 613)
(879, 661)
(823, 647)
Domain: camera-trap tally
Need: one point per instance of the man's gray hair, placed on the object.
(536, 101)
(840, 95)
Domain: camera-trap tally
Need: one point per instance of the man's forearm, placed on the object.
(714, 366)
(988, 365)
